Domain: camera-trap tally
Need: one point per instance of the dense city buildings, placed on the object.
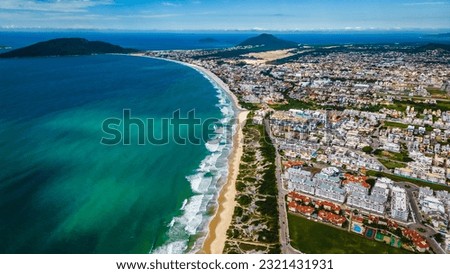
(363, 127)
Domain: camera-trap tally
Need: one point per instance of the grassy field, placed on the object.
(397, 178)
(294, 104)
(391, 164)
(394, 124)
(316, 238)
(435, 92)
(419, 105)
(396, 156)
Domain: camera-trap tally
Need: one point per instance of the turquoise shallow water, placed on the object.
(61, 191)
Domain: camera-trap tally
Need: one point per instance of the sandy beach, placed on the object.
(259, 58)
(217, 232)
(215, 240)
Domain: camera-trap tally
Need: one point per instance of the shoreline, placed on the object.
(221, 221)
(214, 241)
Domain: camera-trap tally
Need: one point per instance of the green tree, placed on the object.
(367, 149)
(439, 237)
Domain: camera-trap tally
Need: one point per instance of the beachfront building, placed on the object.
(353, 187)
(375, 202)
(327, 178)
(298, 173)
(305, 185)
(399, 204)
(300, 180)
(325, 184)
(359, 197)
(331, 192)
(328, 185)
(371, 203)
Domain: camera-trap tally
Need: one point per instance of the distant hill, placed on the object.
(434, 46)
(268, 42)
(64, 47)
(260, 43)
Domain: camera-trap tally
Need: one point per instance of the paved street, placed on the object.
(286, 248)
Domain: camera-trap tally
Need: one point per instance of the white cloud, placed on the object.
(170, 4)
(354, 28)
(52, 5)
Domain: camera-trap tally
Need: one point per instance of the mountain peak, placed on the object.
(64, 47)
(268, 42)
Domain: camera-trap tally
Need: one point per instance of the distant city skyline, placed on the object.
(285, 15)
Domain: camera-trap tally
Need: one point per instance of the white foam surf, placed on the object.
(188, 230)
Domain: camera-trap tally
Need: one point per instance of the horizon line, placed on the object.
(38, 29)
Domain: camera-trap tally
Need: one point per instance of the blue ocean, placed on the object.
(62, 191)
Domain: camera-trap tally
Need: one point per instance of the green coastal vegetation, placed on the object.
(316, 238)
(254, 227)
(249, 106)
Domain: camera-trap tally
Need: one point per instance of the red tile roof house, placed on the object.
(294, 196)
(291, 196)
(356, 179)
(293, 164)
(373, 219)
(331, 207)
(305, 210)
(332, 218)
(292, 206)
(392, 223)
(419, 242)
(358, 219)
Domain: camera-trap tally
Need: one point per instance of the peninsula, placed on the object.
(66, 47)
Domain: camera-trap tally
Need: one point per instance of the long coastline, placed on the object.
(214, 242)
(217, 231)
(218, 226)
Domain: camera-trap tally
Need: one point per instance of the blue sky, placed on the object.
(225, 15)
